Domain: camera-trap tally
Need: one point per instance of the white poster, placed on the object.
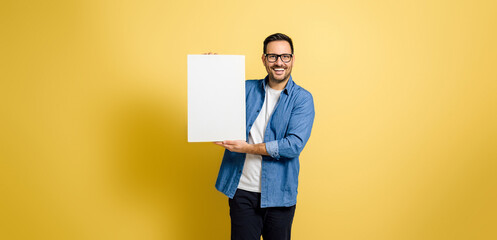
(216, 98)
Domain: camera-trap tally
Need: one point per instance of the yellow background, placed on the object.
(93, 141)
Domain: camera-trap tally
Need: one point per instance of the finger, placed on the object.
(234, 142)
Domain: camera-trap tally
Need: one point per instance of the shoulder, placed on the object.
(301, 94)
(253, 82)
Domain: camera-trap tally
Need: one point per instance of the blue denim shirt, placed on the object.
(286, 134)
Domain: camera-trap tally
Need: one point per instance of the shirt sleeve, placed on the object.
(272, 149)
(299, 130)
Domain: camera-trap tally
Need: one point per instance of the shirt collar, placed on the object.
(288, 88)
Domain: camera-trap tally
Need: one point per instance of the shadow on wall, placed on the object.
(152, 163)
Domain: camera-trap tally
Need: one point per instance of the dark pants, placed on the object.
(249, 221)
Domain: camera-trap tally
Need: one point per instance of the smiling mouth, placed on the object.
(279, 70)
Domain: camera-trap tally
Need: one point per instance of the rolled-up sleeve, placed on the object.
(272, 149)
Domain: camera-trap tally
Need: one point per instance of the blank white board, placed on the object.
(216, 98)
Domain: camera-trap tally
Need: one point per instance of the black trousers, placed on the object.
(249, 221)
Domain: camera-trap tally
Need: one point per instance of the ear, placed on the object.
(263, 58)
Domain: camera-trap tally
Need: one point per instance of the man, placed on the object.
(260, 176)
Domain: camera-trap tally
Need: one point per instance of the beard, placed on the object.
(277, 78)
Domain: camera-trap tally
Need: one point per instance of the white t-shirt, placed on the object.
(251, 175)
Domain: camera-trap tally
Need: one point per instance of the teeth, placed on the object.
(279, 69)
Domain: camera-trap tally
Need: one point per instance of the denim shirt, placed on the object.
(285, 136)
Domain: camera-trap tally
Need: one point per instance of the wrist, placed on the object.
(251, 148)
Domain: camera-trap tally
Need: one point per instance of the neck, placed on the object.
(277, 85)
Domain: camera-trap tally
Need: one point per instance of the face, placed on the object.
(278, 71)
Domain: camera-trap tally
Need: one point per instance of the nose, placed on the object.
(278, 60)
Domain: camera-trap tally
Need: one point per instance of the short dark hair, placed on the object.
(277, 37)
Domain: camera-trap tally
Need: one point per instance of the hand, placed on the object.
(239, 146)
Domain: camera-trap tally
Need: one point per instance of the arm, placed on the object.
(298, 132)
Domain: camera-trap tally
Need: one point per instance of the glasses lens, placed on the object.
(286, 58)
(272, 57)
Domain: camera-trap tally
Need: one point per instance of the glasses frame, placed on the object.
(279, 56)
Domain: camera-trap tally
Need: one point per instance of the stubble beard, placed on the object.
(273, 79)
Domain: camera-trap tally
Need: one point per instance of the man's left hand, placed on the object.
(241, 146)
(235, 145)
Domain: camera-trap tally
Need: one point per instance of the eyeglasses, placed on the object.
(286, 58)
